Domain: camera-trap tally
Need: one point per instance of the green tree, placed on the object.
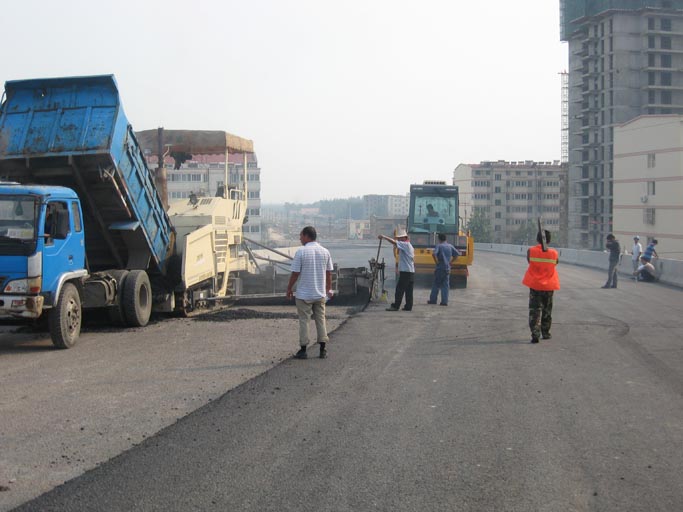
(479, 226)
(526, 233)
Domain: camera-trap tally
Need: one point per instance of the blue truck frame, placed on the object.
(66, 144)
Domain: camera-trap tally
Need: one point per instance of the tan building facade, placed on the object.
(648, 182)
(514, 194)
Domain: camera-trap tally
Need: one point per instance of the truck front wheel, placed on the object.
(65, 317)
(137, 298)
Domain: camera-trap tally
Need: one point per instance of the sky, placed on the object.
(341, 99)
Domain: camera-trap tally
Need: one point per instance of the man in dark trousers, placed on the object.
(542, 279)
(406, 270)
(614, 249)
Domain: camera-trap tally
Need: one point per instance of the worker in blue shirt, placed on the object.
(443, 254)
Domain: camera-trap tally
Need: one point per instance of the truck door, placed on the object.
(62, 249)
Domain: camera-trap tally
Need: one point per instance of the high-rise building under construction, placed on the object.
(625, 60)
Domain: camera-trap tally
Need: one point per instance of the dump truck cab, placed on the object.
(42, 246)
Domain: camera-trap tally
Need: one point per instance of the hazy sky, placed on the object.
(341, 98)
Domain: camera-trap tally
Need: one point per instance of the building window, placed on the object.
(650, 188)
(498, 215)
(649, 216)
(666, 24)
(651, 78)
(650, 160)
(666, 78)
(666, 97)
(666, 43)
(650, 41)
(651, 60)
(666, 60)
(650, 23)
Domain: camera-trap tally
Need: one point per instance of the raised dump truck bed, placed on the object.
(73, 132)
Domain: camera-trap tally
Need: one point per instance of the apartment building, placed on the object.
(398, 206)
(648, 182)
(514, 194)
(625, 60)
(385, 205)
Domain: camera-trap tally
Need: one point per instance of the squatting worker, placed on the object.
(406, 270)
(542, 279)
(312, 271)
(443, 254)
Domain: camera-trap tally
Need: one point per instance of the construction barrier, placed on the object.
(669, 271)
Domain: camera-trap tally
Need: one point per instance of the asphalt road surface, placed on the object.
(438, 409)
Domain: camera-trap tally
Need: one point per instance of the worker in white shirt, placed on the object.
(636, 251)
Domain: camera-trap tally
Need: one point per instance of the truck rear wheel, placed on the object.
(116, 313)
(137, 298)
(65, 317)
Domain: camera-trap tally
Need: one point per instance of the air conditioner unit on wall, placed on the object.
(643, 199)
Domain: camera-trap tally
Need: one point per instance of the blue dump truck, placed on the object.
(81, 223)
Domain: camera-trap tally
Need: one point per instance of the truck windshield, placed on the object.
(17, 222)
(433, 213)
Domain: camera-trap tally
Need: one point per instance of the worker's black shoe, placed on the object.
(430, 302)
(301, 354)
(323, 351)
(534, 339)
(547, 336)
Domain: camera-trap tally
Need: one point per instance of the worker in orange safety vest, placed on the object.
(542, 279)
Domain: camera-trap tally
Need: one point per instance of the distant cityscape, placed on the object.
(621, 161)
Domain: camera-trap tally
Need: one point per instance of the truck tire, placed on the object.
(116, 313)
(137, 298)
(65, 317)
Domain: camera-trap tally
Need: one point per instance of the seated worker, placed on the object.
(432, 216)
(646, 271)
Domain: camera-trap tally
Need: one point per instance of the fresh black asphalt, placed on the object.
(438, 409)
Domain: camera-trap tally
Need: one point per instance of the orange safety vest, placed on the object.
(542, 272)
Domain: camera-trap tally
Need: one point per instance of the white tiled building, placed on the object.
(648, 182)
